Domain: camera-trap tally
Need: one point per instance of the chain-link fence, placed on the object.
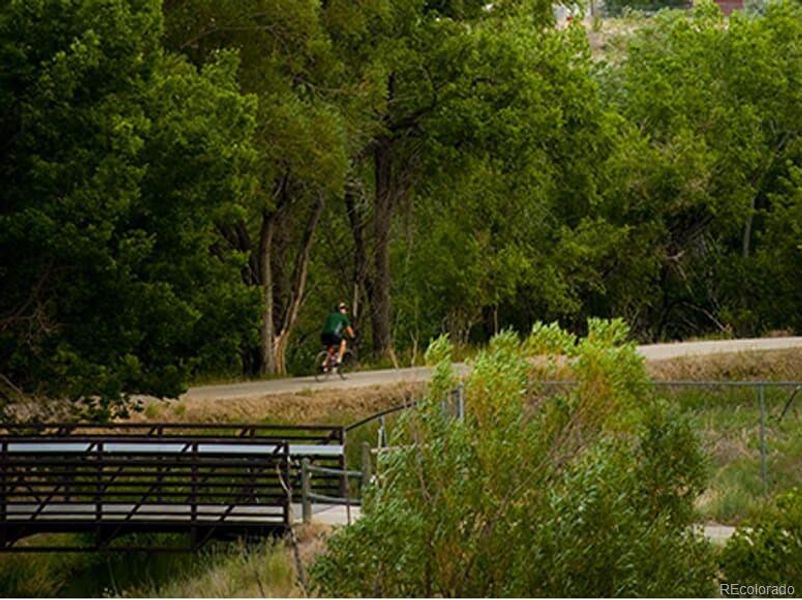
(752, 433)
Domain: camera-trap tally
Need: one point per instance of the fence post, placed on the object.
(306, 501)
(761, 394)
(194, 485)
(367, 465)
(382, 433)
(343, 465)
(347, 502)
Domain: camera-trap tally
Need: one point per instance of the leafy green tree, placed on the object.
(716, 118)
(407, 63)
(300, 143)
(119, 161)
(531, 495)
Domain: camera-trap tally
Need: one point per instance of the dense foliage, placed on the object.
(587, 493)
(190, 185)
(768, 550)
(622, 7)
(117, 161)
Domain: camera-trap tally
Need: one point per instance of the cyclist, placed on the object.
(334, 327)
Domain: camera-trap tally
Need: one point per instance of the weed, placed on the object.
(265, 570)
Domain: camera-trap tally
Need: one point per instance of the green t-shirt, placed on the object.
(336, 323)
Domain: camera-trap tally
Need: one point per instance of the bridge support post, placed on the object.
(306, 490)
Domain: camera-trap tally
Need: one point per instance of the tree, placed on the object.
(532, 495)
(504, 231)
(407, 62)
(715, 112)
(119, 161)
(287, 62)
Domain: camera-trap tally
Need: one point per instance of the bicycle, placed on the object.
(326, 363)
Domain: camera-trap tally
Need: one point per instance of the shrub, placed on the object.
(768, 550)
(591, 495)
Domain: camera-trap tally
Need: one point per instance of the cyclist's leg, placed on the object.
(341, 353)
(327, 344)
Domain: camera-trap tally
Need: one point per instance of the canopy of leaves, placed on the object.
(159, 157)
(119, 161)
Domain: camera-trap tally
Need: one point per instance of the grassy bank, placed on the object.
(219, 570)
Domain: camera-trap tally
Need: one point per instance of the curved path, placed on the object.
(416, 374)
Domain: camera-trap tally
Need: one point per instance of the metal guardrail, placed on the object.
(310, 433)
(308, 495)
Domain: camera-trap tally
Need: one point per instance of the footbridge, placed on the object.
(207, 481)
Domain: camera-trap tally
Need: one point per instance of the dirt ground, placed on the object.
(775, 365)
(323, 406)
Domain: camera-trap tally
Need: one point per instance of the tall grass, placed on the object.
(728, 419)
(233, 571)
(92, 574)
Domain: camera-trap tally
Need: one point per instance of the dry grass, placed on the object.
(34, 408)
(323, 406)
(265, 571)
(312, 540)
(774, 365)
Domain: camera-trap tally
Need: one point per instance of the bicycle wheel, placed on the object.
(321, 372)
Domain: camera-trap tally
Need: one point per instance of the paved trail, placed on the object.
(416, 374)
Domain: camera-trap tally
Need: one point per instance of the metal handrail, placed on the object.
(379, 415)
(66, 427)
(340, 472)
(105, 491)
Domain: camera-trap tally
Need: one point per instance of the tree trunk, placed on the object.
(360, 257)
(267, 331)
(382, 220)
(747, 237)
(300, 274)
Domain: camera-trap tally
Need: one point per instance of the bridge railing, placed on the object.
(208, 480)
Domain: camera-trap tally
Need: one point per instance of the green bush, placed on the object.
(589, 495)
(615, 8)
(768, 549)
